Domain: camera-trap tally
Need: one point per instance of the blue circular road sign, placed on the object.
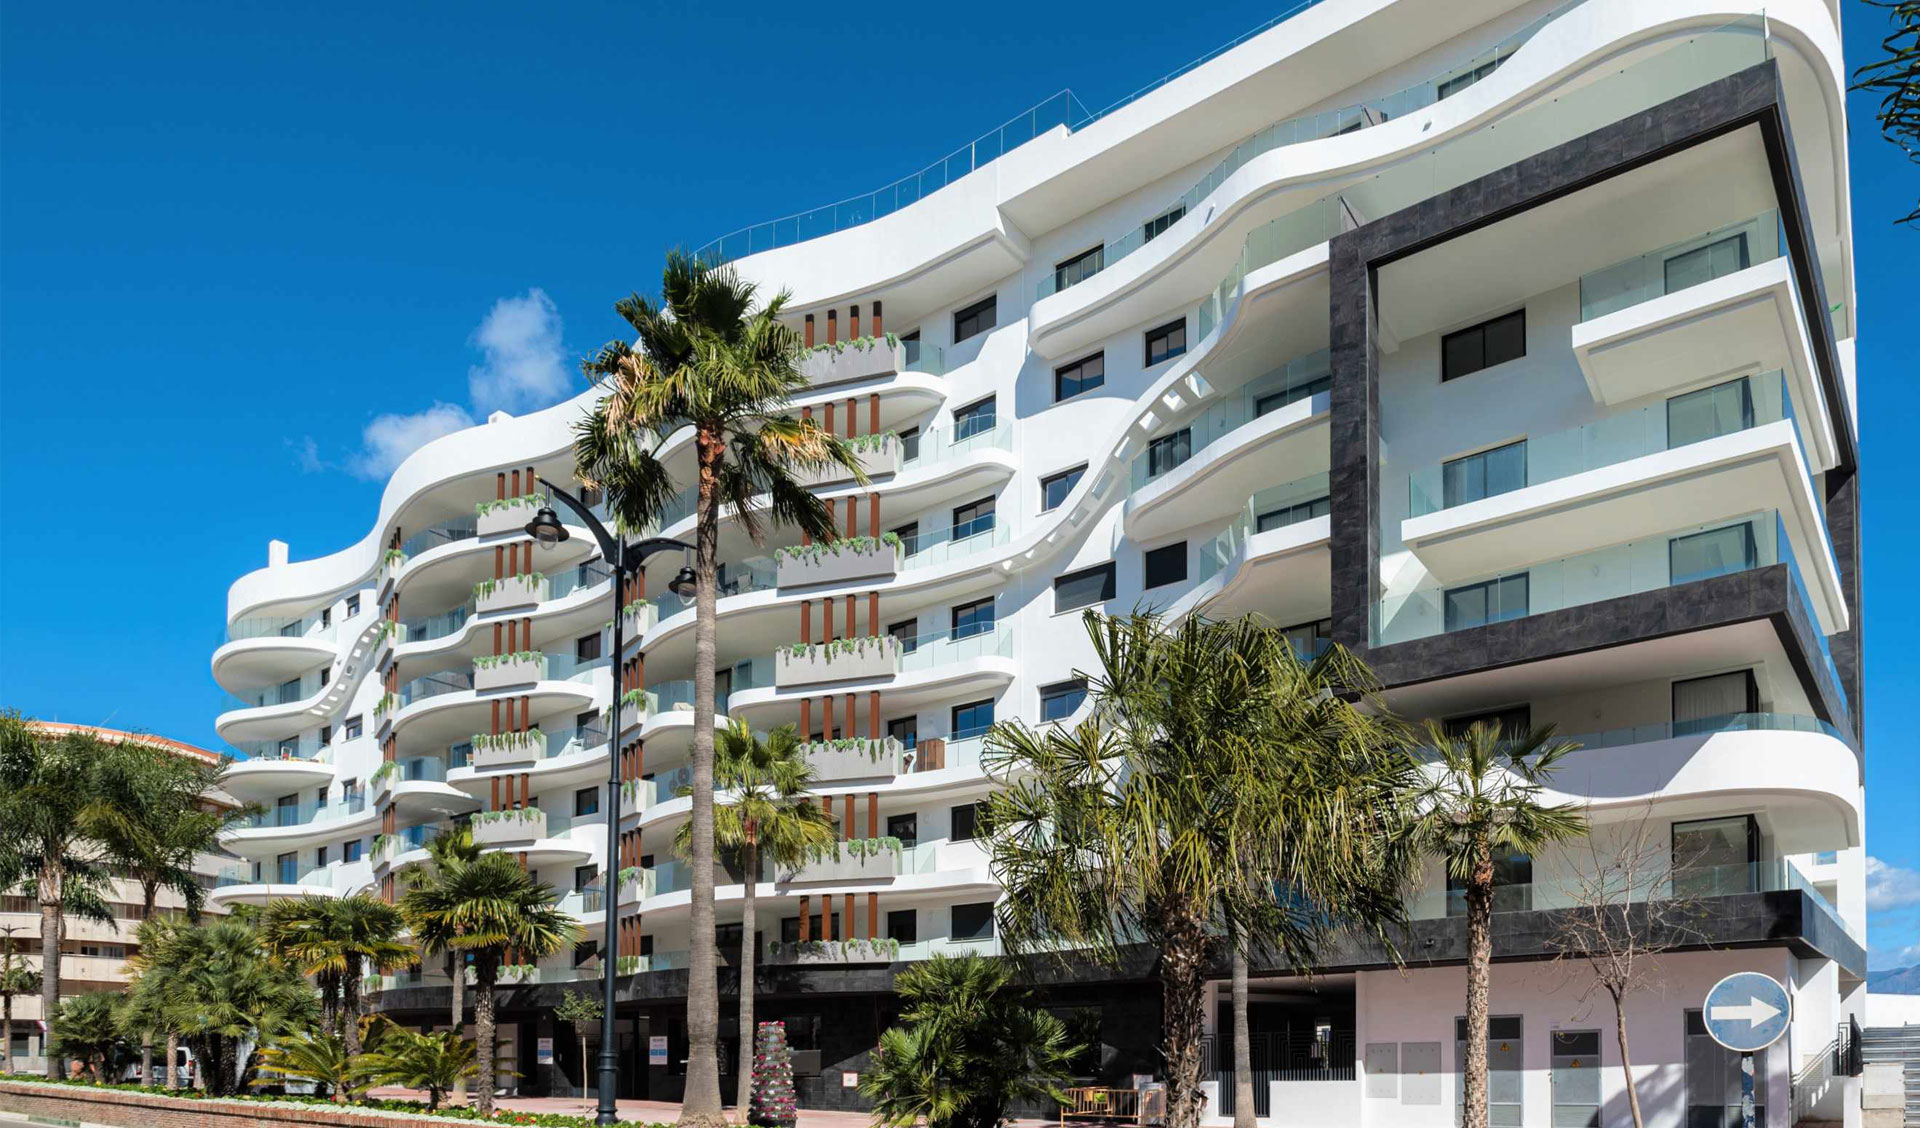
(1746, 1012)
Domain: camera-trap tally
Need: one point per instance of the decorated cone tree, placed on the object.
(772, 1103)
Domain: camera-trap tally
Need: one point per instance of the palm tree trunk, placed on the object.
(350, 1017)
(750, 859)
(146, 1060)
(1626, 1061)
(170, 1073)
(1183, 982)
(6, 1029)
(1242, 1046)
(1479, 970)
(484, 971)
(457, 971)
(701, 1102)
(51, 884)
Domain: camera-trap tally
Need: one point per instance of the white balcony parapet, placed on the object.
(509, 593)
(877, 455)
(854, 558)
(498, 671)
(854, 758)
(494, 828)
(844, 659)
(863, 358)
(805, 953)
(492, 751)
(507, 515)
(857, 859)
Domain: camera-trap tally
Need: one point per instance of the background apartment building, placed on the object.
(1508, 345)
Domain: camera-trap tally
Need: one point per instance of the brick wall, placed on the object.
(147, 1110)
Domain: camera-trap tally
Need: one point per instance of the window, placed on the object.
(909, 535)
(1513, 722)
(973, 922)
(1576, 1078)
(973, 518)
(1274, 401)
(1716, 552)
(1054, 490)
(326, 735)
(1058, 701)
(1709, 413)
(586, 648)
(1083, 375)
(975, 418)
(1703, 264)
(1165, 565)
(972, 719)
(586, 726)
(1713, 1080)
(350, 850)
(1460, 82)
(1466, 351)
(906, 633)
(1166, 342)
(1158, 224)
(353, 605)
(326, 617)
(320, 857)
(1309, 640)
(1491, 601)
(904, 827)
(1715, 857)
(326, 675)
(1512, 884)
(1506, 1067)
(1292, 514)
(974, 618)
(1083, 588)
(903, 925)
(585, 951)
(352, 727)
(288, 869)
(1078, 269)
(909, 444)
(1704, 704)
(906, 730)
(586, 801)
(583, 877)
(1486, 474)
(1169, 451)
(974, 319)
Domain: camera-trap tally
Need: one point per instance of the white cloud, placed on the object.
(1890, 887)
(1887, 959)
(306, 455)
(390, 438)
(525, 365)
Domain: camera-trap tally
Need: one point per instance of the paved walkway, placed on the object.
(666, 1112)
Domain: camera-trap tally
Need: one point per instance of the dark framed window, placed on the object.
(586, 648)
(326, 675)
(1083, 375)
(1293, 514)
(326, 617)
(975, 319)
(975, 418)
(904, 827)
(1166, 564)
(1703, 264)
(1083, 588)
(1716, 857)
(907, 633)
(584, 952)
(909, 444)
(909, 535)
(1055, 488)
(1059, 700)
(586, 801)
(1716, 552)
(974, 921)
(1484, 474)
(972, 719)
(1079, 268)
(1490, 601)
(1308, 640)
(974, 618)
(583, 877)
(350, 850)
(326, 735)
(320, 856)
(1704, 704)
(1513, 721)
(353, 605)
(1274, 401)
(903, 925)
(1709, 413)
(966, 820)
(1466, 351)
(1169, 451)
(1166, 342)
(351, 728)
(1158, 225)
(910, 345)
(973, 518)
(906, 730)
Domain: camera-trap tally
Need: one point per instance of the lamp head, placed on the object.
(684, 584)
(546, 527)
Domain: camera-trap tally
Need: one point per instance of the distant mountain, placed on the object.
(1895, 981)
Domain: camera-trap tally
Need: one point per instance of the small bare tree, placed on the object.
(1627, 904)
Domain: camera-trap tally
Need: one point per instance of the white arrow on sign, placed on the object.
(1755, 1012)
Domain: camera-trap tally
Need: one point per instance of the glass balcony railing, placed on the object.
(736, 577)
(589, 575)
(431, 627)
(930, 547)
(925, 358)
(1273, 508)
(1678, 266)
(940, 648)
(1269, 243)
(308, 811)
(1298, 379)
(1705, 726)
(1709, 413)
(319, 627)
(439, 533)
(320, 877)
(943, 445)
(286, 693)
(434, 685)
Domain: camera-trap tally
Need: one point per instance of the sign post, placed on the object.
(1746, 1012)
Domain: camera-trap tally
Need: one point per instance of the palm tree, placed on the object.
(51, 793)
(146, 1011)
(440, 1063)
(707, 358)
(770, 816)
(1215, 768)
(85, 1027)
(16, 978)
(447, 853)
(488, 908)
(338, 942)
(369, 931)
(320, 1058)
(1482, 798)
(301, 933)
(973, 1044)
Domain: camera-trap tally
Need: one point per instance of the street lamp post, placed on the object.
(625, 559)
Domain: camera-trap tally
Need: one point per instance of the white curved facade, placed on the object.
(1116, 373)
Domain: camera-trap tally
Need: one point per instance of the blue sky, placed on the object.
(248, 255)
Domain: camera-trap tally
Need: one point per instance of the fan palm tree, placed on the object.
(85, 1027)
(369, 931)
(440, 1063)
(320, 1058)
(52, 792)
(486, 909)
(1482, 798)
(147, 1012)
(301, 933)
(447, 853)
(16, 978)
(338, 942)
(709, 358)
(768, 816)
(1215, 769)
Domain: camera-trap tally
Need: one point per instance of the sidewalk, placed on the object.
(667, 1112)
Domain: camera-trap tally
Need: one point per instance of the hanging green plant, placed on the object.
(532, 501)
(489, 661)
(491, 742)
(819, 550)
(394, 558)
(867, 444)
(859, 344)
(873, 748)
(529, 580)
(630, 873)
(386, 769)
(385, 705)
(827, 651)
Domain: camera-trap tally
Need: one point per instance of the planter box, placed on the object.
(876, 462)
(523, 751)
(870, 658)
(866, 759)
(847, 867)
(827, 366)
(510, 593)
(831, 564)
(524, 825)
(510, 516)
(809, 953)
(636, 888)
(499, 675)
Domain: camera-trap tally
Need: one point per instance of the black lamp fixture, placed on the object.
(546, 529)
(684, 583)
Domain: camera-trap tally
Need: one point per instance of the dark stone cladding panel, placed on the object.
(1750, 97)
(1849, 647)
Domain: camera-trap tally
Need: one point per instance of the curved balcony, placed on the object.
(881, 865)
(237, 885)
(271, 659)
(932, 667)
(417, 788)
(438, 709)
(572, 755)
(285, 825)
(532, 832)
(258, 779)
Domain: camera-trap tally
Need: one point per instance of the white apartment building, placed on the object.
(1509, 345)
